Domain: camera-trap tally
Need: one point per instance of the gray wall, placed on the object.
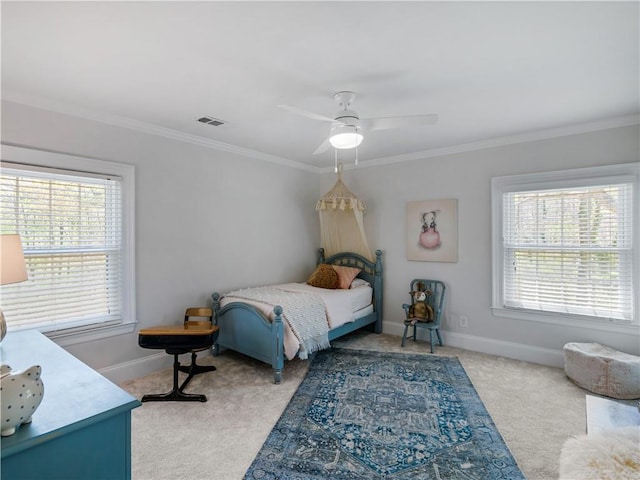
(209, 220)
(205, 220)
(467, 177)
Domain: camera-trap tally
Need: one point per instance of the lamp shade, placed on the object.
(346, 136)
(12, 266)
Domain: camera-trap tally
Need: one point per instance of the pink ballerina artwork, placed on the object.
(429, 236)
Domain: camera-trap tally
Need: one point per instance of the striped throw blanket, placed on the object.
(304, 312)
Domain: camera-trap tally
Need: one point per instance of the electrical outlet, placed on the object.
(464, 321)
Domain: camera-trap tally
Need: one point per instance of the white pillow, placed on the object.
(359, 282)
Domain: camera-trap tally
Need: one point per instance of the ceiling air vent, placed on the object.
(216, 122)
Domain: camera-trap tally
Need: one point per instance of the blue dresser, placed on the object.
(82, 428)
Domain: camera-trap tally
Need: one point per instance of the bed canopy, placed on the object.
(341, 221)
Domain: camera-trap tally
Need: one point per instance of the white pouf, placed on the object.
(603, 370)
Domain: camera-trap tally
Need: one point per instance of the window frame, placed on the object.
(561, 179)
(84, 165)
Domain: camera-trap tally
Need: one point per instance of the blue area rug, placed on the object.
(372, 415)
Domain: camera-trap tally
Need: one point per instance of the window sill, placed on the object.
(575, 321)
(81, 335)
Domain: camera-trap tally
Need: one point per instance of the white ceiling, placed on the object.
(490, 69)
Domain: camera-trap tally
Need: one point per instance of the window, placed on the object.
(565, 245)
(76, 233)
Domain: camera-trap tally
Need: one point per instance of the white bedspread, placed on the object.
(339, 306)
(336, 302)
(304, 312)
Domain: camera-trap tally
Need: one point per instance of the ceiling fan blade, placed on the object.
(324, 146)
(386, 123)
(304, 113)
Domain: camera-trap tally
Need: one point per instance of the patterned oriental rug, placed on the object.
(372, 415)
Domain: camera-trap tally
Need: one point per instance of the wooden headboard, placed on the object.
(349, 259)
(370, 271)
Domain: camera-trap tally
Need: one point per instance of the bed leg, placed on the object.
(277, 339)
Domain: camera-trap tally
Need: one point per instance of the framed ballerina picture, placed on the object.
(432, 230)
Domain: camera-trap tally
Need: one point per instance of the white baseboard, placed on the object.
(144, 366)
(528, 353)
(518, 351)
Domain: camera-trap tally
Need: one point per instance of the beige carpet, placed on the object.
(535, 408)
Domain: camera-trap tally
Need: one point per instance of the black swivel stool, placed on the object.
(191, 337)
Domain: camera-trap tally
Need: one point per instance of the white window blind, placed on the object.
(570, 250)
(70, 224)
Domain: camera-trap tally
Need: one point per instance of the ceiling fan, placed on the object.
(347, 126)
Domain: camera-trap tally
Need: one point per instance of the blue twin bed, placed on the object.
(246, 329)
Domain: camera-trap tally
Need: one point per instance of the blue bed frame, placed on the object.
(245, 329)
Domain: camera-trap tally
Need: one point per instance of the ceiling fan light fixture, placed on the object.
(345, 136)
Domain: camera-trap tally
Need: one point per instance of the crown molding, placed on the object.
(149, 128)
(606, 124)
(131, 124)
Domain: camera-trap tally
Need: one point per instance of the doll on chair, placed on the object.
(420, 310)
